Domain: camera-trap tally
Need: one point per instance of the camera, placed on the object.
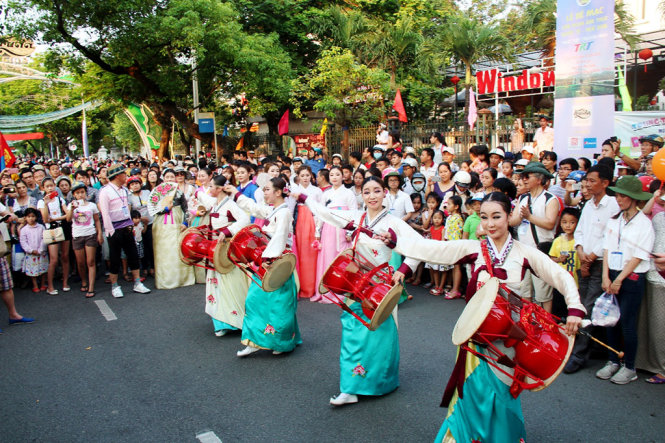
(8, 190)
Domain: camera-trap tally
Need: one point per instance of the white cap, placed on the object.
(498, 152)
(462, 177)
(337, 155)
(522, 162)
(409, 150)
(528, 148)
(448, 149)
(410, 162)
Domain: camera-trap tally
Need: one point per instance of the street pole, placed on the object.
(195, 93)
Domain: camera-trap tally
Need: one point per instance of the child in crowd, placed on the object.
(139, 230)
(454, 228)
(563, 252)
(86, 235)
(416, 222)
(473, 219)
(32, 242)
(436, 231)
(54, 212)
(433, 202)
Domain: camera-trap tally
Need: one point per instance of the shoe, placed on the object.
(221, 333)
(66, 289)
(248, 350)
(277, 352)
(35, 290)
(657, 379)
(43, 288)
(20, 321)
(89, 294)
(624, 376)
(53, 292)
(140, 288)
(428, 285)
(117, 292)
(607, 371)
(343, 399)
(452, 295)
(572, 367)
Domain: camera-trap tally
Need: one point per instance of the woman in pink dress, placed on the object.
(332, 240)
(305, 234)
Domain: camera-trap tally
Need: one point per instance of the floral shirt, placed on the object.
(454, 225)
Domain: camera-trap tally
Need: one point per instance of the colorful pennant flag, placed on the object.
(398, 106)
(241, 143)
(8, 157)
(283, 127)
(324, 127)
(473, 110)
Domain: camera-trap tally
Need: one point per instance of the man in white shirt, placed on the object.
(543, 139)
(382, 136)
(537, 220)
(589, 236)
(427, 166)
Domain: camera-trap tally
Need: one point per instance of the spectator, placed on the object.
(86, 236)
(536, 215)
(453, 231)
(35, 263)
(54, 214)
(427, 166)
(651, 328)
(479, 158)
(543, 139)
(589, 236)
(118, 226)
(436, 232)
(627, 246)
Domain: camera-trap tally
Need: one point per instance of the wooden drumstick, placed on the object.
(586, 334)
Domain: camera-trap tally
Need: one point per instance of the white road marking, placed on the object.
(208, 437)
(105, 310)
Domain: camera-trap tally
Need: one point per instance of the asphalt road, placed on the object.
(158, 373)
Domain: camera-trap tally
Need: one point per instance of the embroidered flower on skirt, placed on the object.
(211, 299)
(269, 330)
(359, 370)
(234, 312)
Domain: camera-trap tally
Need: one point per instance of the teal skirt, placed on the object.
(270, 318)
(395, 262)
(368, 360)
(488, 412)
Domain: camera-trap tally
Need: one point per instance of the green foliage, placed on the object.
(642, 103)
(348, 92)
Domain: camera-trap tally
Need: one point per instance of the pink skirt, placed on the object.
(333, 241)
(305, 254)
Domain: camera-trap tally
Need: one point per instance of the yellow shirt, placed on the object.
(561, 244)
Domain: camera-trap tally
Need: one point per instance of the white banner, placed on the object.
(630, 126)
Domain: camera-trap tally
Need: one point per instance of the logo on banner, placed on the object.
(590, 143)
(582, 115)
(574, 143)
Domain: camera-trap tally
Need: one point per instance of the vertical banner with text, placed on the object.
(584, 91)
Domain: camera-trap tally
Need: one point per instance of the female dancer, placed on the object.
(225, 293)
(306, 234)
(333, 240)
(170, 272)
(369, 360)
(270, 317)
(485, 410)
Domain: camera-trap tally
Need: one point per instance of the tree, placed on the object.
(145, 52)
(468, 41)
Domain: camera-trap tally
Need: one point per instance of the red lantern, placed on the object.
(455, 80)
(645, 54)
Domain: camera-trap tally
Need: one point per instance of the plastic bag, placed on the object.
(606, 310)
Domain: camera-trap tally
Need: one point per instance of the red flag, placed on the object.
(399, 107)
(283, 127)
(7, 153)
